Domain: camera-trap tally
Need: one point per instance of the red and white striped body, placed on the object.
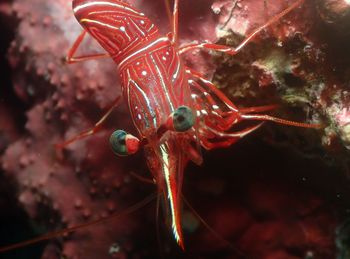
(154, 84)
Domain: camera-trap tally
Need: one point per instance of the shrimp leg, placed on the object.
(251, 36)
(174, 20)
(70, 57)
(94, 129)
(236, 115)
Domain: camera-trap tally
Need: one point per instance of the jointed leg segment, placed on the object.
(94, 129)
(233, 51)
(214, 130)
(175, 24)
(70, 57)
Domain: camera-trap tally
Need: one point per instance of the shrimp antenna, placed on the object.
(54, 234)
(211, 230)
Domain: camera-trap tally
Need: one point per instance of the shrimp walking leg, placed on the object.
(218, 139)
(258, 109)
(215, 124)
(70, 57)
(211, 88)
(175, 23)
(173, 19)
(168, 12)
(251, 36)
(265, 117)
(94, 129)
(236, 115)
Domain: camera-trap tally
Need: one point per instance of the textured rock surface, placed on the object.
(268, 212)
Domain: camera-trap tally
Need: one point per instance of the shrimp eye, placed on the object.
(182, 119)
(123, 144)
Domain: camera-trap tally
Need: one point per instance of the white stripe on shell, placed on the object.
(143, 50)
(104, 3)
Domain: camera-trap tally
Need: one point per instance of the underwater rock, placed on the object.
(335, 12)
(291, 64)
(299, 63)
(342, 240)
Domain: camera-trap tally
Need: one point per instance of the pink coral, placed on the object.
(290, 63)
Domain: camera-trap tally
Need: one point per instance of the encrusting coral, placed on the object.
(296, 62)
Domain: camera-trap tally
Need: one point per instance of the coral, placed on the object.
(296, 63)
(303, 67)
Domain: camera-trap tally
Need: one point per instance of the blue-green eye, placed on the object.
(123, 144)
(183, 119)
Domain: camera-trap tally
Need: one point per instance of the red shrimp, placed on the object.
(174, 108)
